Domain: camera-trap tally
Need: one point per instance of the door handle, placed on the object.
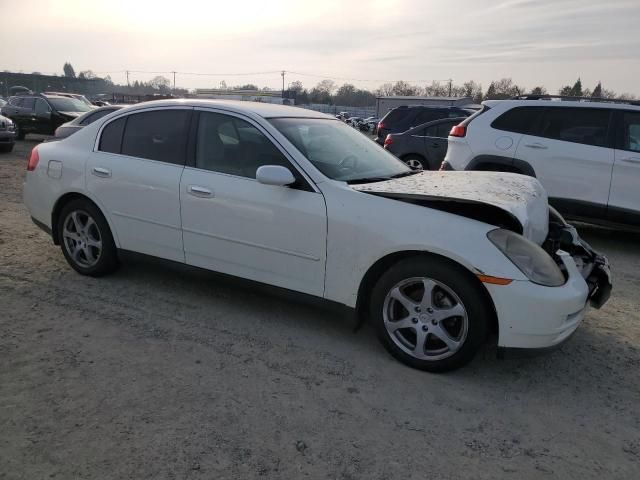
(101, 172)
(435, 145)
(536, 145)
(198, 191)
(631, 160)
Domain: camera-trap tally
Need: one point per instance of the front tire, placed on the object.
(20, 134)
(86, 240)
(430, 313)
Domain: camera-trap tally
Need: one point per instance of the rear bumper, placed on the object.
(446, 167)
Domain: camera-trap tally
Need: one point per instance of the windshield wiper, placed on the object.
(367, 180)
(405, 174)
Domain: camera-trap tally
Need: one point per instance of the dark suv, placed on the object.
(402, 118)
(40, 113)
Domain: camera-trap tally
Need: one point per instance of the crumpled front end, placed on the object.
(593, 267)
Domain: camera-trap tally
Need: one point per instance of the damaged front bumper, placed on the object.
(593, 266)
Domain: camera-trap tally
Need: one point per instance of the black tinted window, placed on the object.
(444, 129)
(227, 144)
(111, 139)
(631, 131)
(519, 120)
(429, 115)
(95, 116)
(28, 102)
(580, 125)
(159, 135)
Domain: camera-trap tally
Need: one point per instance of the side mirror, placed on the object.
(275, 175)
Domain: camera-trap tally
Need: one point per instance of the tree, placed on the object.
(385, 90)
(327, 86)
(248, 86)
(539, 91)
(597, 92)
(345, 95)
(87, 74)
(402, 88)
(436, 89)
(502, 89)
(160, 83)
(296, 86)
(69, 71)
(576, 90)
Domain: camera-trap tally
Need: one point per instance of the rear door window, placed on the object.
(588, 126)
(42, 107)
(157, 135)
(519, 120)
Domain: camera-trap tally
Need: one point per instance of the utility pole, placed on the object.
(127, 72)
(174, 82)
(282, 73)
(450, 84)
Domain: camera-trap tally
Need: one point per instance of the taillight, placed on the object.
(458, 131)
(380, 125)
(34, 158)
(388, 141)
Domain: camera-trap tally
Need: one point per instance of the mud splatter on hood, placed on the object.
(521, 196)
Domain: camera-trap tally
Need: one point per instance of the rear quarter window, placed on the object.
(111, 139)
(519, 120)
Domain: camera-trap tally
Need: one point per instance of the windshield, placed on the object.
(339, 151)
(69, 105)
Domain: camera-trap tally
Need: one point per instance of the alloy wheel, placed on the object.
(425, 318)
(82, 239)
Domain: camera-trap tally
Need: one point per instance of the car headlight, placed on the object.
(531, 259)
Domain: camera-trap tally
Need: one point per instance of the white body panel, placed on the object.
(141, 198)
(625, 181)
(321, 242)
(275, 235)
(569, 170)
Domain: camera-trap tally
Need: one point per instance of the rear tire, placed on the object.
(438, 331)
(6, 148)
(416, 163)
(86, 240)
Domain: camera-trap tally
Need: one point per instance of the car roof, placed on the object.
(265, 110)
(560, 103)
(432, 122)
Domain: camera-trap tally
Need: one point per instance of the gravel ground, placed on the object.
(164, 372)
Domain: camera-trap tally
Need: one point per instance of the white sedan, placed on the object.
(297, 199)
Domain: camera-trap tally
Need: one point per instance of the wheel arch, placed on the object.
(498, 163)
(64, 200)
(383, 264)
(419, 156)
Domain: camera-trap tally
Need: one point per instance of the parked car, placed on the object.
(344, 116)
(369, 124)
(88, 118)
(41, 113)
(7, 134)
(354, 121)
(296, 199)
(401, 119)
(77, 96)
(585, 153)
(422, 147)
(3, 102)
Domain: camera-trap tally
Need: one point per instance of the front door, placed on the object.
(233, 224)
(135, 175)
(624, 199)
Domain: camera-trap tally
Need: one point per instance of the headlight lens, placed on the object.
(531, 259)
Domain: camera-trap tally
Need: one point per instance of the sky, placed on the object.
(366, 43)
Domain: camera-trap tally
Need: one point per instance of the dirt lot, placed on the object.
(163, 372)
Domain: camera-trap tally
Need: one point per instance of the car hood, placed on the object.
(507, 200)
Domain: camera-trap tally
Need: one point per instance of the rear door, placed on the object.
(572, 157)
(624, 199)
(42, 117)
(435, 142)
(135, 175)
(234, 224)
(26, 115)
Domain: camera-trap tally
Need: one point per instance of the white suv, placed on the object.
(586, 154)
(299, 200)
